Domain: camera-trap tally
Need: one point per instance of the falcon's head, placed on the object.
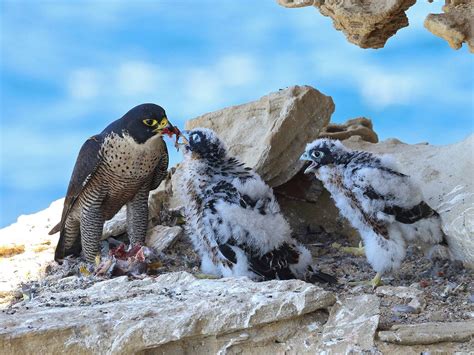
(322, 152)
(144, 122)
(204, 143)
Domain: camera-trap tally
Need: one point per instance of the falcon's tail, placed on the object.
(319, 276)
(55, 229)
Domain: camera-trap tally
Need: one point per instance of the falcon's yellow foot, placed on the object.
(375, 282)
(357, 251)
(97, 260)
(206, 276)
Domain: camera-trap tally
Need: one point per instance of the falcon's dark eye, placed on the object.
(150, 122)
(196, 138)
(317, 154)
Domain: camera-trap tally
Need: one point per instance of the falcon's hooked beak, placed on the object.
(312, 167)
(168, 129)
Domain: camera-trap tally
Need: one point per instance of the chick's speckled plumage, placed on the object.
(233, 218)
(384, 205)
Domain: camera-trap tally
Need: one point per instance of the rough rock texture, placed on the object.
(296, 3)
(306, 203)
(308, 207)
(30, 248)
(270, 134)
(165, 312)
(360, 126)
(455, 25)
(351, 325)
(446, 177)
(428, 333)
(368, 24)
(118, 224)
(161, 237)
(26, 248)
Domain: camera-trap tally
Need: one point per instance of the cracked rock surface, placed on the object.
(130, 316)
(455, 24)
(368, 24)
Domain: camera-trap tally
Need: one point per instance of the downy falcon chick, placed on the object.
(116, 167)
(384, 205)
(233, 218)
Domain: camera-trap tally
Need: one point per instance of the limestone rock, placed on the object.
(166, 313)
(446, 177)
(368, 24)
(360, 126)
(428, 333)
(351, 325)
(399, 291)
(413, 295)
(161, 237)
(455, 25)
(33, 247)
(118, 224)
(308, 206)
(270, 134)
(295, 3)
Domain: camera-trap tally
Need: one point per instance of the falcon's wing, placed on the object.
(161, 168)
(86, 165)
(411, 215)
(273, 265)
(401, 198)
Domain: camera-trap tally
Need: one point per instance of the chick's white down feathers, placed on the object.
(233, 218)
(385, 206)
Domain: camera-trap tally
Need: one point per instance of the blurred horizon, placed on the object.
(68, 69)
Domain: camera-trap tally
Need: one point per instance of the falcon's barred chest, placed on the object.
(116, 167)
(126, 166)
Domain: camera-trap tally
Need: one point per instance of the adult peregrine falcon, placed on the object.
(384, 205)
(116, 167)
(233, 218)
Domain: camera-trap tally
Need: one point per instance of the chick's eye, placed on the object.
(195, 137)
(317, 154)
(150, 122)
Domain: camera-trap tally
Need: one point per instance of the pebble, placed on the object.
(402, 308)
(438, 316)
(471, 298)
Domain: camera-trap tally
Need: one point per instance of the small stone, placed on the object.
(402, 308)
(161, 237)
(352, 323)
(438, 316)
(471, 298)
(428, 333)
(361, 127)
(398, 291)
(417, 303)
